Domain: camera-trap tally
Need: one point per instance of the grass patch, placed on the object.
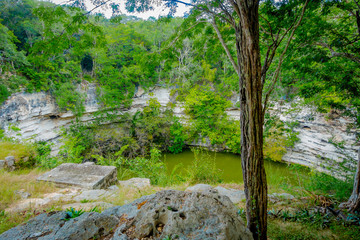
(18, 150)
(278, 229)
(21, 179)
(294, 231)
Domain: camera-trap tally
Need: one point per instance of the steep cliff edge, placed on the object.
(321, 139)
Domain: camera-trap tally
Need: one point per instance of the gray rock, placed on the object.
(188, 215)
(139, 183)
(2, 164)
(199, 188)
(236, 196)
(139, 92)
(52, 226)
(92, 195)
(88, 206)
(81, 175)
(89, 163)
(281, 196)
(10, 161)
(113, 188)
(30, 203)
(23, 194)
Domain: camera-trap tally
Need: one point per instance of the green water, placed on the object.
(230, 165)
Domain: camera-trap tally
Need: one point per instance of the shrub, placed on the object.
(43, 158)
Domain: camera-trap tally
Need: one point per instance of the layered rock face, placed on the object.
(38, 118)
(324, 140)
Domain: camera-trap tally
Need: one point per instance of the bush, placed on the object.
(43, 158)
(78, 138)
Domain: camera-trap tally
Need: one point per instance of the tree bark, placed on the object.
(353, 203)
(251, 118)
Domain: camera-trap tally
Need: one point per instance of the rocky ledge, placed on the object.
(166, 214)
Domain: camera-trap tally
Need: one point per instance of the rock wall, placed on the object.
(38, 118)
(325, 139)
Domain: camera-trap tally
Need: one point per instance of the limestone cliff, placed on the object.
(38, 118)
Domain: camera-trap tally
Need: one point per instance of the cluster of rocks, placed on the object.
(167, 214)
(8, 163)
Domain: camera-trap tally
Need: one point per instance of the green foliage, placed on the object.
(178, 135)
(206, 109)
(76, 139)
(203, 168)
(330, 186)
(10, 57)
(43, 157)
(153, 168)
(68, 98)
(324, 62)
(291, 134)
(72, 213)
(151, 128)
(4, 93)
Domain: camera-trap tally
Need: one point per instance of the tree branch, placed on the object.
(84, 14)
(223, 43)
(178, 36)
(339, 54)
(277, 71)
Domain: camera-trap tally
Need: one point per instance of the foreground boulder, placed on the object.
(86, 175)
(166, 214)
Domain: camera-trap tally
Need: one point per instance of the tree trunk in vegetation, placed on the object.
(353, 203)
(252, 119)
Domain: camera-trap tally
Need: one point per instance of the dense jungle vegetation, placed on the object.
(63, 49)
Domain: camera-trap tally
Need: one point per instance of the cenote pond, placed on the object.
(230, 165)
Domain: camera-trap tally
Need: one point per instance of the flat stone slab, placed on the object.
(81, 175)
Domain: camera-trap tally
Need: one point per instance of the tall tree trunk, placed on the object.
(353, 203)
(251, 119)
